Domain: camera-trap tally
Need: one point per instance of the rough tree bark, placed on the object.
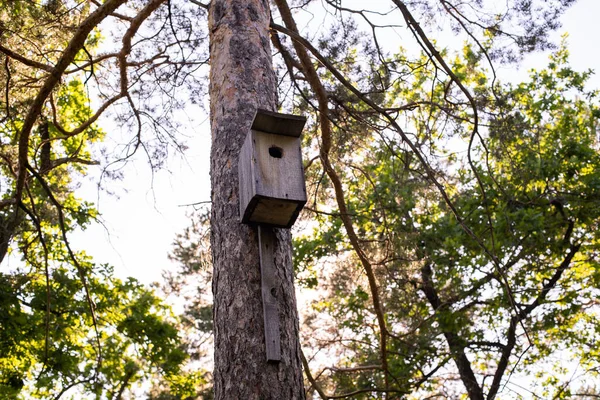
(241, 80)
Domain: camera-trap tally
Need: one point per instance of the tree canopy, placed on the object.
(69, 328)
(450, 243)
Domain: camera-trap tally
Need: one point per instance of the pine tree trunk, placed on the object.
(241, 80)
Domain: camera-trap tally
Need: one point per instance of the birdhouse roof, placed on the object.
(277, 123)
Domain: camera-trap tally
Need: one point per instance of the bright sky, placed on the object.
(141, 224)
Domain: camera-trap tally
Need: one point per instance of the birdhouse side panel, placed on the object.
(278, 169)
(246, 176)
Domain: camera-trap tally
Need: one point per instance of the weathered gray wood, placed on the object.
(277, 213)
(279, 178)
(281, 124)
(269, 287)
(247, 182)
(271, 179)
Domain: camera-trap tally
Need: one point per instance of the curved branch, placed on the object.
(53, 79)
(431, 175)
(25, 60)
(87, 123)
(313, 79)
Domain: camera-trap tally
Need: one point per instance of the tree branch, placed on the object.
(313, 79)
(456, 344)
(25, 60)
(52, 80)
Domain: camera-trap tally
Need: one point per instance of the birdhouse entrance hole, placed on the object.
(275, 152)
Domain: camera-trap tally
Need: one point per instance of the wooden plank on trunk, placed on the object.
(269, 286)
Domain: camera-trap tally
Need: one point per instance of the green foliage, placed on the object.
(191, 283)
(68, 327)
(50, 343)
(531, 196)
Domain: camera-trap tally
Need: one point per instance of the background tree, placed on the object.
(68, 327)
(191, 282)
(446, 301)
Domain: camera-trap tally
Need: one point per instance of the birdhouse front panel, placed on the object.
(279, 166)
(272, 188)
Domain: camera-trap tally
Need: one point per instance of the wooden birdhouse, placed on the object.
(271, 174)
